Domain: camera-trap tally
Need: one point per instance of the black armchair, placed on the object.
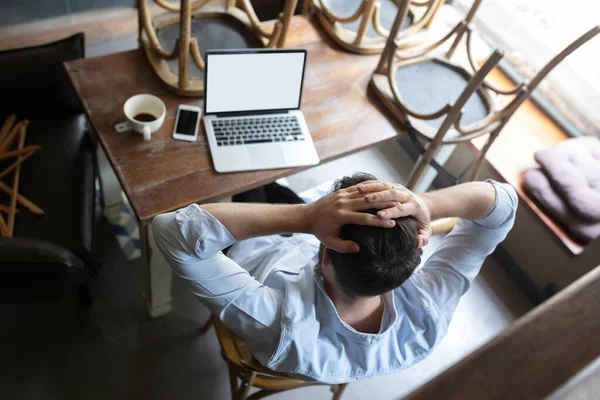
(49, 255)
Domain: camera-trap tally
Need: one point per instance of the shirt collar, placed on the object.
(326, 305)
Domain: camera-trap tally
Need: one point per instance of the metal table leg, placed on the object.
(158, 277)
(158, 294)
(110, 187)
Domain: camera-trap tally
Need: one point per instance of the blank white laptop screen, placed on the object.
(253, 82)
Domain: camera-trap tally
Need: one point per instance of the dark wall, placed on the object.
(14, 12)
(19, 11)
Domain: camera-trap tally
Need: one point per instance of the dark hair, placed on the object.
(387, 256)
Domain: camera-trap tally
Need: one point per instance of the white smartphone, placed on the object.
(186, 124)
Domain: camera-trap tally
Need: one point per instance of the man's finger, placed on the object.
(369, 181)
(399, 210)
(384, 205)
(358, 218)
(360, 204)
(426, 235)
(401, 195)
(351, 192)
(373, 186)
(422, 241)
(342, 246)
(350, 189)
(354, 195)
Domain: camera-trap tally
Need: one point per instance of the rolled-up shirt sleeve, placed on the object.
(191, 240)
(448, 273)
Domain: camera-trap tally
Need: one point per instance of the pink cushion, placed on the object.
(573, 168)
(537, 184)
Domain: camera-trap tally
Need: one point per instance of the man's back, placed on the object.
(286, 315)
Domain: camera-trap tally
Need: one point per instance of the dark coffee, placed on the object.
(145, 117)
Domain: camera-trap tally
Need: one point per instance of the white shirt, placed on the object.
(267, 293)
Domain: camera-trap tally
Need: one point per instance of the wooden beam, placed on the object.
(13, 200)
(533, 357)
(15, 153)
(8, 123)
(3, 227)
(10, 138)
(22, 200)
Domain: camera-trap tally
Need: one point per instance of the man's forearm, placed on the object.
(471, 200)
(247, 220)
(322, 218)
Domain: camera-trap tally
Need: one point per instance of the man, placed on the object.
(347, 303)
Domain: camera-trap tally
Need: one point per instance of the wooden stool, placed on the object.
(243, 366)
(365, 29)
(451, 127)
(442, 81)
(397, 73)
(190, 28)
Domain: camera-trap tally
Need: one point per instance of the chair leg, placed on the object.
(480, 160)
(246, 386)
(443, 225)
(365, 21)
(306, 8)
(477, 167)
(207, 325)
(285, 17)
(338, 390)
(233, 383)
(421, 165)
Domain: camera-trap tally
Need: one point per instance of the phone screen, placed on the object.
(186, 124)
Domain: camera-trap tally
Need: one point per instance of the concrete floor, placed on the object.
(113, 351)
(61, 351)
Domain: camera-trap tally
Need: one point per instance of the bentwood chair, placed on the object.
(362, 26)
(251, 373)
(175, 42)
(465, 105)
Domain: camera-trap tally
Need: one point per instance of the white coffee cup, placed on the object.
(145, 105)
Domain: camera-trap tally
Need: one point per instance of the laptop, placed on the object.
(252, 114)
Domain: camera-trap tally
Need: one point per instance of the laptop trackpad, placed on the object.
(267, 157)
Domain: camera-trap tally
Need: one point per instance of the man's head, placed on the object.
(387, 256)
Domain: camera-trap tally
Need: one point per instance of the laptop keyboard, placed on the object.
(244, 131)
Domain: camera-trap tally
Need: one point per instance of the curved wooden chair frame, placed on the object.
(368, 12)
(452, 131)
(251, 373)
(186, 46)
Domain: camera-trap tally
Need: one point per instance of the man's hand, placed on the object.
(404, 203)
(326, 216)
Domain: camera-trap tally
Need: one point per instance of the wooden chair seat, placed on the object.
(444, 103)
(476, 109)
(363, 26)
(175, 40)
(441, 101)
(429, 85)
(242, 365)
(219, 31)
(388, 10)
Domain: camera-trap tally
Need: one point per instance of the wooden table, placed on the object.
(164, 174)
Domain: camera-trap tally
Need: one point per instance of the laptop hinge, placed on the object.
(246, 113)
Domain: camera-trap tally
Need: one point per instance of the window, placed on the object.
(531, 32)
